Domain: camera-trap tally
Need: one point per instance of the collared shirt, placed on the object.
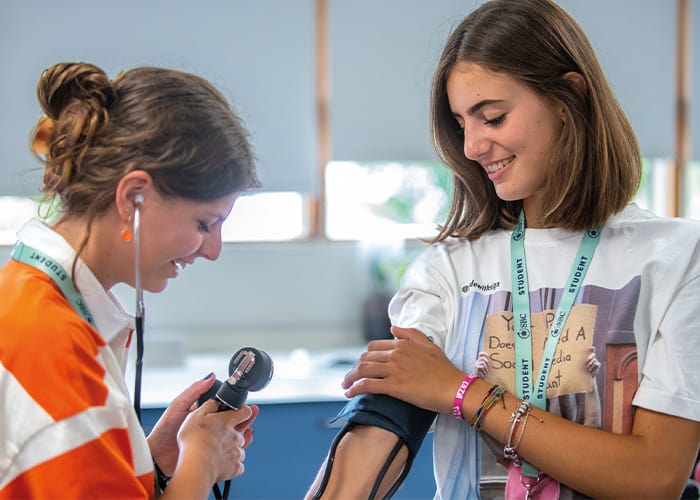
(68, 427)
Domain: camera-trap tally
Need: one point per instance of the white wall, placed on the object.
(299, 293)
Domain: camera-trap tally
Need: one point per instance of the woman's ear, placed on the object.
(132, 189)
(576, 79)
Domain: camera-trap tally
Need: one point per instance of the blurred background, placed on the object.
(335, 94)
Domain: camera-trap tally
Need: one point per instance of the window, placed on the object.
(653, 193)
(278, 216)
(392, 200)
(385, 200)
(374, 201)
(692, 190)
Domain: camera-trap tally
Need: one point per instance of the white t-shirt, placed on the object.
(639, 306)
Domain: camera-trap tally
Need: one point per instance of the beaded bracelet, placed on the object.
(494, 394)
(519, 416)
(459, 397)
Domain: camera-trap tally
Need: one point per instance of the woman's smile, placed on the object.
(496, 168)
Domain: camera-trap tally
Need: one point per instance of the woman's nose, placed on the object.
(211, 245)
(475, 144)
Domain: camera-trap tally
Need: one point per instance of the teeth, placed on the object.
(179, 265)
(495, 167)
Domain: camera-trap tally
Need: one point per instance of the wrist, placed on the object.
(161, 478)
(459, 396)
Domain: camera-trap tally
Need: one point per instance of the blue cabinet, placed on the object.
(289, 445)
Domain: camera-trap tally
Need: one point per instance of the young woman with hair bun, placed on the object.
(156, 157)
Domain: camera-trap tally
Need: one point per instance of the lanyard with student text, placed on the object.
(55, 271)
(528, 386)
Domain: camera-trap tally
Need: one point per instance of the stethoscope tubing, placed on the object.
(139, 311)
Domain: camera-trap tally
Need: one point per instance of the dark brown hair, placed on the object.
(174, 125)
(596, 165)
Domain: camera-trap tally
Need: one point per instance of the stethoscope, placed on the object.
(245, 374)
(139, 310)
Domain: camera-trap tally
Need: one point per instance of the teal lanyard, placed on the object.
(528, 386)
(55, 271)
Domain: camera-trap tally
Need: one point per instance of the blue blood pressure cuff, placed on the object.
(410, 423)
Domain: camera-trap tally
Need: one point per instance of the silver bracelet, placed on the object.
(521, 413)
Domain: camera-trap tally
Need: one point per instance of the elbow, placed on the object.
(664, 483)
(671, 486)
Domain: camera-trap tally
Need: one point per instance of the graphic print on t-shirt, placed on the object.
(593, 374)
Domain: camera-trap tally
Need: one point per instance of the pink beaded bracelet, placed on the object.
(459, 397)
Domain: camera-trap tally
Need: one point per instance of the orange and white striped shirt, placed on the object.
(68, 427)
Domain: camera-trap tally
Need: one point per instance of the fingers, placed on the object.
(411, 368)
(247, 437)
(234, 453)
(241, 416)
(370, 364)
(409, 334)
(365, 385)
(233, 417)
(355, 375)
(481, 366)
(399, 333)
(249, 421)
(187, 399)
(213, 440)
(375, 362)
(162, 439)
(209, 406)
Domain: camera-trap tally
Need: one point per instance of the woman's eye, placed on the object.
(496, 121)
(204, 227)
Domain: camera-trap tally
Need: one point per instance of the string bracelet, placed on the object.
(459, 397)
(494, 394)
(518, 419)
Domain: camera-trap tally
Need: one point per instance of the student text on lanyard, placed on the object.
(55, 271)
(531, 386)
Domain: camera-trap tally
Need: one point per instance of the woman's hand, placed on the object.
(410, 368)
(211, 444)
(163, 438)
(214, 440)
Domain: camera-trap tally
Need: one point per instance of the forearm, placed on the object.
(652, 461)
(359, 457)
(192, 479)
(184, 487)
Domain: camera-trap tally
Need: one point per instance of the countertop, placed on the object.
(300, 375)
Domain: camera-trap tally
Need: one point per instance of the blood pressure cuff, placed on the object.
(407, 421)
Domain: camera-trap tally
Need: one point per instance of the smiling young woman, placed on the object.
(144, 168)
(575, 358)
